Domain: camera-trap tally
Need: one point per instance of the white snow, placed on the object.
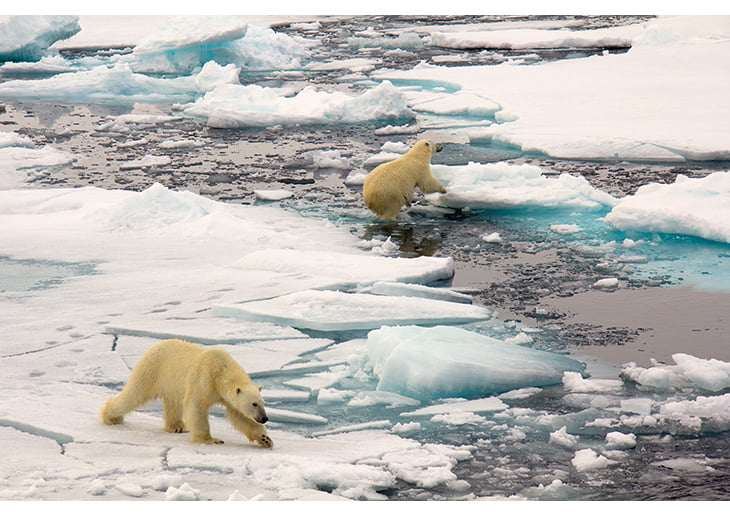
(689, 206)
(712, 375)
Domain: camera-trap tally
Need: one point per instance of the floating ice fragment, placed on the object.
(504, 185)
(574, 382)
(606, 284)
(620, 441)
(445, 362)
(566, 229)
(339, 311)
(690, 206)
(27, 37)
(272, 195)
(492, 238)
(183, 493)
(537, 38)
(386, 288)
(290, 416)
(389, 399)
(561, 437)
(589, 460)
(147, 161)
(712, 374)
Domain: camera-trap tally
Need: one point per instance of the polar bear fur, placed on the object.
(389, 186)
(190, 379)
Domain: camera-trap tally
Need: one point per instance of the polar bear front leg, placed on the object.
(196, 417)
(173, 417)
(255, 432)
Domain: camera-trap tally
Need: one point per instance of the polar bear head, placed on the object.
(250, 403)
(424, 149)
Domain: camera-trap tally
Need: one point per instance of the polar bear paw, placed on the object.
(265, 441)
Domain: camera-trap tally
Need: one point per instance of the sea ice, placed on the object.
(673, 61)
(503, 185)
(444, 362)
(712, 375)
(188, 42)
(326, 310)
(690, 206)
(235, 105)
(20, 160)
(119, 85)
(27, 37)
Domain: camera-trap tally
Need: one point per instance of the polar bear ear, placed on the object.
(260, 387)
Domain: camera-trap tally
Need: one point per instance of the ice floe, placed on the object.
(27, 38)
(674, 61)
(235, 105)
(341, 311)
(504, 185)
(119, 84)
(21, 160)
(447, 362)
(690, 206)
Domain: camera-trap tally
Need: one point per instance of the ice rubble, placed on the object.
(27, 38)
(668, 79)
(503, 185)
(445, 362)
(690, 206)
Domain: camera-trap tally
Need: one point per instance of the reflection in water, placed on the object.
(410, 243)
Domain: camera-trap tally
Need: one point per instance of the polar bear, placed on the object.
(190, 379)
(389, 186)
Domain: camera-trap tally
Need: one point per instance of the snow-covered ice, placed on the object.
(673, 61)
(690, 206)
(236, 105)
(503, 185)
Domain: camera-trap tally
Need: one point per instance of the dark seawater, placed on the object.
(519, 279)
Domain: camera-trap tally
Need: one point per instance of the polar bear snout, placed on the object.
(438, 148)
(261, 416)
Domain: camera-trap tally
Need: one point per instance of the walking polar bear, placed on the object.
(389, 186)
(190, 379)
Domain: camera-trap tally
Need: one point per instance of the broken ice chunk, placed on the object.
(446, 362)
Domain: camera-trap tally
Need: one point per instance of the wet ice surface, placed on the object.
(643, 431)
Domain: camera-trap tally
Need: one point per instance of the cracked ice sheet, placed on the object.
(668, 80)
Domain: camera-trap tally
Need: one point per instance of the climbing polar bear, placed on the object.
(389, 186)
(190, 379)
